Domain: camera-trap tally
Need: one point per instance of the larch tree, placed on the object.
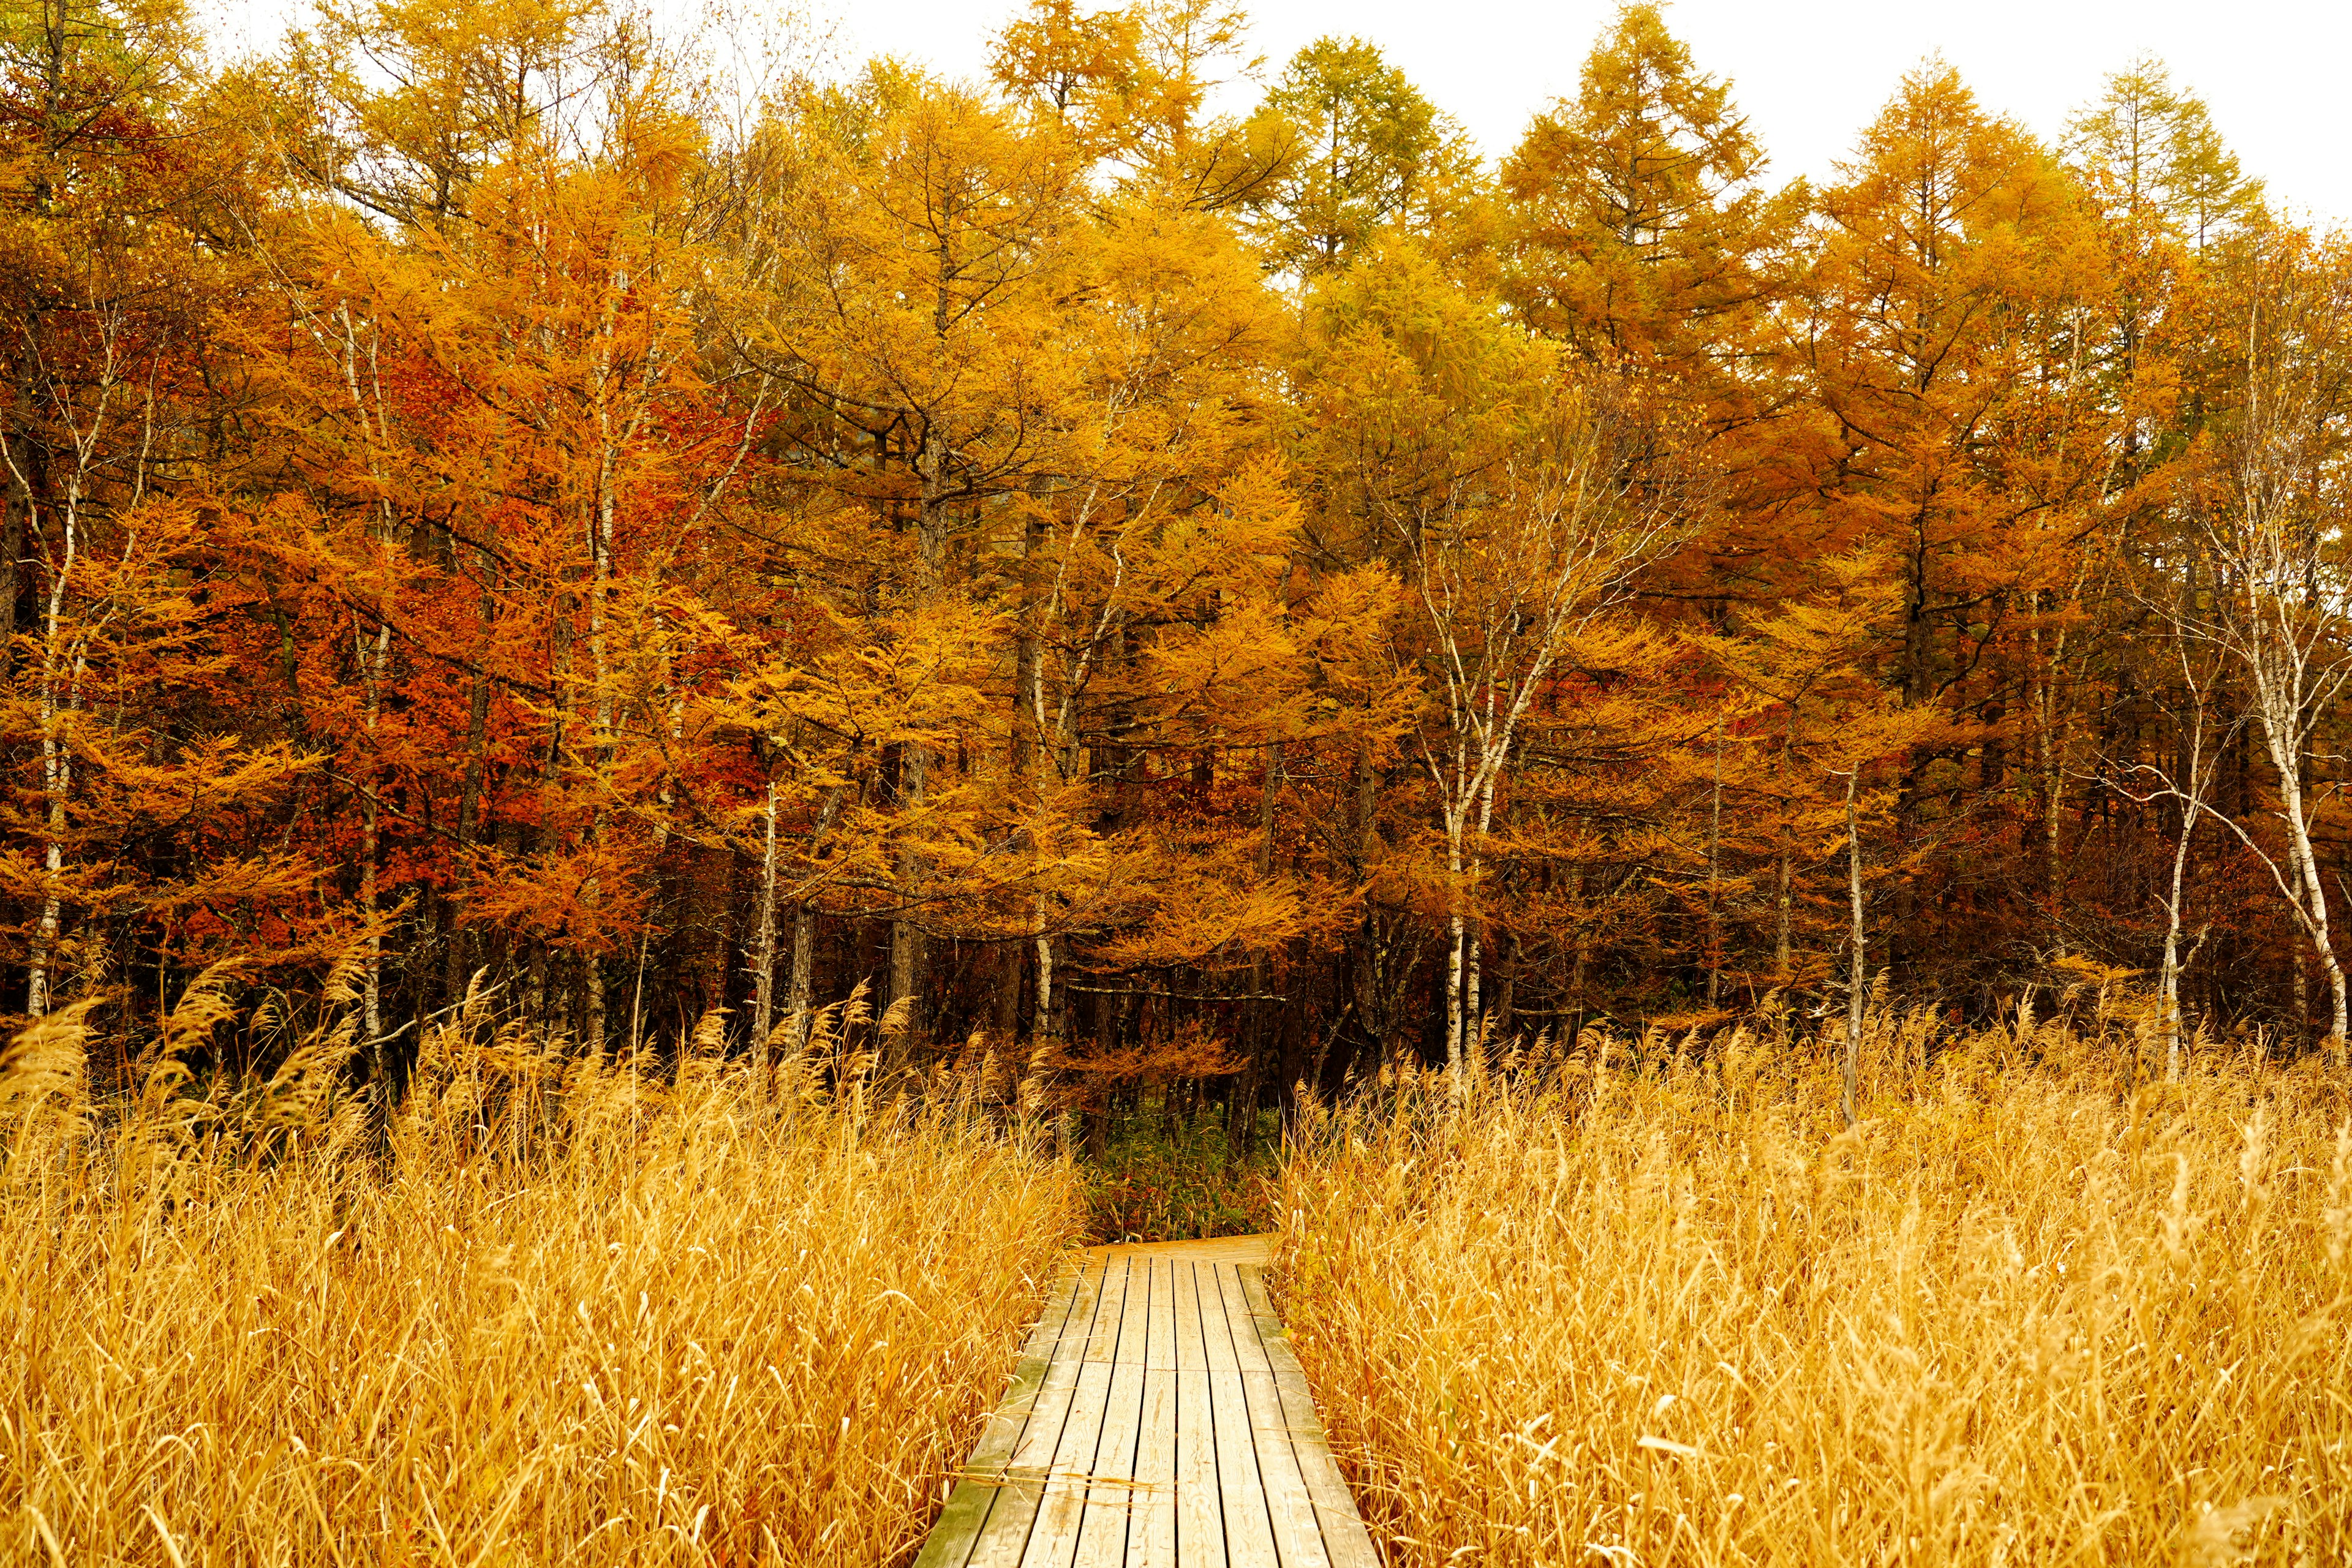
(1956, 276)
(924, 239)
(1645, 235)
(1370, 152)
(111, 697)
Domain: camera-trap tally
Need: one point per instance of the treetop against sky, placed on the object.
(1808, 74)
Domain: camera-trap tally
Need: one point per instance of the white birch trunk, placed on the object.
(57, 761)
(1858, 989)
(763, 944)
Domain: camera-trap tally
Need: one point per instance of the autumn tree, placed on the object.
(1955, 275)
(1505, 580)
(2267, 518)
(922, 242)
(136, 800)
(403, 107)
(1226, 601)
(501, 413)
(1128, 87)
(1645, 235)
(1371, 152)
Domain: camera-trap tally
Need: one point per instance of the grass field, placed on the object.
(1625, 1305)
(577, 1315)
(1666, 1311)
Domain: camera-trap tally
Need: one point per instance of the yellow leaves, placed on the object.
(913, 676)
(1192, 1051)
(468, 86)
(585, 898)
(1209, 923)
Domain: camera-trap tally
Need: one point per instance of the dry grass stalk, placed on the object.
(2023, 1314)
(581, 1313)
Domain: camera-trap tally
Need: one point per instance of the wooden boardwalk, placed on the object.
(1156, 1419)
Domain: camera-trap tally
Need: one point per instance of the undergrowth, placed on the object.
(1178, 1181)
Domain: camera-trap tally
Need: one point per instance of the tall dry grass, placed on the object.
(559, 1311)
(1668, 1312)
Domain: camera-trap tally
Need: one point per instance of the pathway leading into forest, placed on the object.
(1158, 1418)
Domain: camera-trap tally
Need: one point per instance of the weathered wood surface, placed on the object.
(1156, 1419)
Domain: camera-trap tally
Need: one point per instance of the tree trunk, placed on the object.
(797, 997)
(1047, 1023)
(2168, 977)
(1858, 992)
(1580, 952)
(1456, 953)
(456, 976)
(1263, 1012)
(1714, 850)
(59, 687)
(372, 660)
(27, 474)
(592, 999)
(914, 760)
(763, 940)
(2276, 708)
(1028, 735)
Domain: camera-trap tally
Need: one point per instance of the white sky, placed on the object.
(1808, 73)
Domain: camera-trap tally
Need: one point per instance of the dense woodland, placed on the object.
(497, 495)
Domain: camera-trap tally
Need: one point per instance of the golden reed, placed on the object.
(559, 1312)
(1655, 1306)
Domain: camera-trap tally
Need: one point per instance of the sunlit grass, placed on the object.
(1670, 1314)
(577, 1313)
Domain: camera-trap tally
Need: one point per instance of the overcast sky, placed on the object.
(1809, 73)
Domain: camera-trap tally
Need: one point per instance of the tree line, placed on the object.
(499, 496)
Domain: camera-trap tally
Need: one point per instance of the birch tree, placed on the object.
(2190, 788)
(2269, 525)
(1507, 581)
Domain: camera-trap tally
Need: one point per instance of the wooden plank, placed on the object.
(1187, 1354)
(1135, 1317)
(1005, 1536)
(1161, 1420)
(1054, 1538)
(1102, 1345)
(1160, 1348)
(1345, 1537)
(1241, 1492)
(1200, 1519)
(1297, 1533)
(959, 1527)
(1110, 1493)
(1249, 1353)
(960, 1523)
(1216, 1332)
(1151, 1527)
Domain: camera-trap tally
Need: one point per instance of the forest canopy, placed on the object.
(1261, 594)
